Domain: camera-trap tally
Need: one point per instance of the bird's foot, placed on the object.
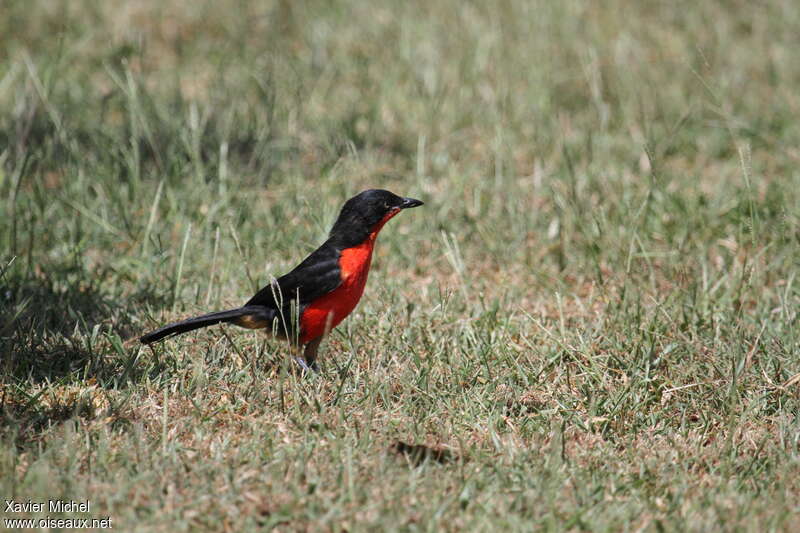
(305, 367)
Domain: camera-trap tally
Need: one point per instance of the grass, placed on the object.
(591, 325)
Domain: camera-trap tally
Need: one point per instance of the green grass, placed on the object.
(591, 325)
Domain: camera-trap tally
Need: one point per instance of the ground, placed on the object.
(592, 324)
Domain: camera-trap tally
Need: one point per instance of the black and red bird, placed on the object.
(322, 290)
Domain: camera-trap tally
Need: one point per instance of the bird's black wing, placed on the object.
(273, 305)
(316, 276)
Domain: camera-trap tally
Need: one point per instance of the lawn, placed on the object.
(592, 324)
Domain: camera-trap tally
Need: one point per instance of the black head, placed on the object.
(366, 213)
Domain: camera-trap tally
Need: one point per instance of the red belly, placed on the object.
(327, 312)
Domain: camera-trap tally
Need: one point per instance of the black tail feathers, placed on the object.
(243, 316)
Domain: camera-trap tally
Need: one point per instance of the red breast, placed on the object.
(324, 314)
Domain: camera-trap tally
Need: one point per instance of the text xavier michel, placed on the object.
(53, 506)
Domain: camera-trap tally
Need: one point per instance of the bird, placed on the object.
(319, 292)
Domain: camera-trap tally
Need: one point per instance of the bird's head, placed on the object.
(365, 214)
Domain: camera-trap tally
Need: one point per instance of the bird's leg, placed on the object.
(308, 362)
(299, 359)
(302, 364)
(310, 353)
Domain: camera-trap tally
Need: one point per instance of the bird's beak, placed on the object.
(408, 203)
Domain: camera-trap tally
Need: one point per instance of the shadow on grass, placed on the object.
(52, 326)
(23, 419)
(57, 363)
(26, 418)
(418, 454)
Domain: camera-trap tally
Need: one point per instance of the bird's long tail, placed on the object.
(247, 317)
